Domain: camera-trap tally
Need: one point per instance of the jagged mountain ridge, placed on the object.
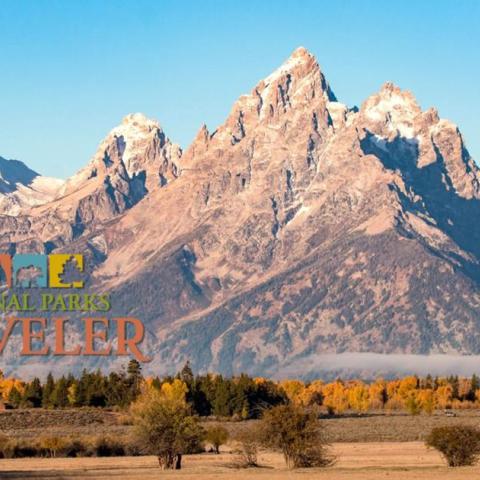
(134, 159)
(21, 187)
(299, 227)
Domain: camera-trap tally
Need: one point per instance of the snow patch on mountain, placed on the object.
(22, 187)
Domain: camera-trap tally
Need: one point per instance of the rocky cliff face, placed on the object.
(299, 227)
(134, 159)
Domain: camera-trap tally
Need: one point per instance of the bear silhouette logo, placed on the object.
(30, 271)
(27, 277)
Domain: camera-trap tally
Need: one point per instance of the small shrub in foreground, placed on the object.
(459, 444)
(108, 447)
(14, 448)
(165, 426)
(297, 434)
(248, 443)
(217, 436)
(52, 445)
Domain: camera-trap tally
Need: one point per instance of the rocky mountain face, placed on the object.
(133, 160)
(299, 227)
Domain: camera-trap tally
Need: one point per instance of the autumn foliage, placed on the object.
(243, 397)
(164, 424)
(411, 394)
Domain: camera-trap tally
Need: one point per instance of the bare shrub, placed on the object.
(105, 446)
(5, 446)
(459, 444)
(15, 448)
(248, 443)
(297, 434)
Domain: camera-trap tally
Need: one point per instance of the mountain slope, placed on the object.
(134, 159)
(299, 227)
(307, 228)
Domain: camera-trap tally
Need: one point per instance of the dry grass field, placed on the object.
(368, 447)
(380, 427)
(356, 461)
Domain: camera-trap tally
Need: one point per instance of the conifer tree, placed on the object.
(221, 404)
(14, 397)
(474, 386)
(186, 374)
(32, 397)
(59, 397)
(135, 378)
(47, 391)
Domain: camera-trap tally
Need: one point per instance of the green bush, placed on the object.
(412, 406)
(459, 444)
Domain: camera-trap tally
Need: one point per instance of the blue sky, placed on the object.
(70, 70)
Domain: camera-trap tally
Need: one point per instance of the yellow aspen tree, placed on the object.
(377, 392)
(407, 386)
(313, 393)
(358, 397)
(335, 397)
(443, 396)
(175, 392)
(294, 390)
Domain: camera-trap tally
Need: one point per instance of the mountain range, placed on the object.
(299, 227)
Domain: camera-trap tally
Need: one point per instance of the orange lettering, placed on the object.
(60, 339)
(29, 335)
(8, 331)
(91, 335)
(124, 343)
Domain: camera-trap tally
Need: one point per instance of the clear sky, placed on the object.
(70, 70)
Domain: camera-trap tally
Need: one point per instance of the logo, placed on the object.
(59, 270)
(44, 333)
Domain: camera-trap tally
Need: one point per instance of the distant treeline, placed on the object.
(209, 394)
(242, 396)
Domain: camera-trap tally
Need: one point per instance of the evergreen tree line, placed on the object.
(91, 389)
(243, 397)
(209, 394)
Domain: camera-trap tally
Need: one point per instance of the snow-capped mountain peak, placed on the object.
(22, 187)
